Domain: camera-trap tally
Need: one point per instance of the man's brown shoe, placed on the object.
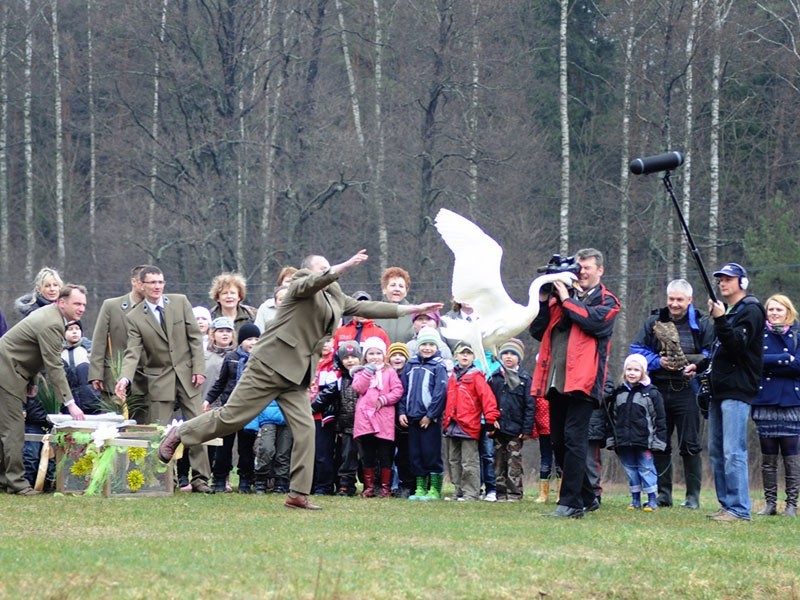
(167, 447)
(28, 491)
(300, 501)
(727, 517)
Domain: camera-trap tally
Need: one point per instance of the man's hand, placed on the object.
(97, 385)
(198, 380)
(425, 307)
(403, 420)
(690, 371)
(355, 260)
(75, 412)
(121, 389)
(206, 406)
(425, 422)
(716, 309)
(561, 290)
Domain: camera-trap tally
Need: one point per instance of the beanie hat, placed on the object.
(248, 330)
(434, 314)
(462, 346)
(361, 295)
(512, 345)
(429, 335)
(202, 311)
(71, 323)
(222, 323)
(640, 361)
(373, 343)
(349, 348)
(398, 348)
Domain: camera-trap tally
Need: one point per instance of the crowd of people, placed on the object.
(316, 391)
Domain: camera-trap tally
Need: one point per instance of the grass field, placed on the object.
(196, 546)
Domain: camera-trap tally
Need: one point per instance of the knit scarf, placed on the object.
(779, 329)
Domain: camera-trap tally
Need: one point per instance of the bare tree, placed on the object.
(92, 134)
(563, 102)
(27, 118)
(4, 224)
(154, 128)
(61, 250)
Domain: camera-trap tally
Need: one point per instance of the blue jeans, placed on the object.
(486, 452)
(639, 466)
(727, 450)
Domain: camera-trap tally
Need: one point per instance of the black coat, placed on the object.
(517, 407)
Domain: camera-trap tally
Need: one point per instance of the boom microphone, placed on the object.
(654, 164)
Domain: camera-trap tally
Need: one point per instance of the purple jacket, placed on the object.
(370, 418)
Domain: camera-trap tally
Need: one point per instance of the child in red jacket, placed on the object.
(469, 398)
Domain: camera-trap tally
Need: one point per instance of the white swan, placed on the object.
(477, 282)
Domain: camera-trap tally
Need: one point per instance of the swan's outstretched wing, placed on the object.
(476, 272)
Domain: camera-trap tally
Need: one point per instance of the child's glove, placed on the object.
(371, 368)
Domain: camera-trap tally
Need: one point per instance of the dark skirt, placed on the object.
(776, 421)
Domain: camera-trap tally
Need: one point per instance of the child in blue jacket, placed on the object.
(273, 449)
(421, 408)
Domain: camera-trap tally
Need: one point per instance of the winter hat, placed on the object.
(202, 311)
(78, 323)
(512, 345)
(434, 314)
(462, 346)
(248, 330)
(362, 295)
(373, 343)
(222, 323)
(429, 335)
(641, 362)
(398, 348)
(349, 348)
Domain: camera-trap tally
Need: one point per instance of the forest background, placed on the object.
(214, 135)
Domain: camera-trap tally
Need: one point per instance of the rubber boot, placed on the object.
(544, 491)
(245, 485)
(435, 491)
(219, 485)
(663, 464)
(369, 484)
(769, 475)
(792, 466)
(693, 472)
(385, 491)
(422, 489)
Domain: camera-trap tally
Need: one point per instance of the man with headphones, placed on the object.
(735, 364)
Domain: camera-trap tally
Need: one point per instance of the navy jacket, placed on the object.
(517, 407)
(637, 418)
(780, 382)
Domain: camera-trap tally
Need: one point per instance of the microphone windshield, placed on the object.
(654, 164)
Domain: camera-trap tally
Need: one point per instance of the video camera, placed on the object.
(559, 264)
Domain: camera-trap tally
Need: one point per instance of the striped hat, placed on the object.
(398, 348)
(512, 345)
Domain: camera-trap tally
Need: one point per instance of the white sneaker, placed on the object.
(491, 497)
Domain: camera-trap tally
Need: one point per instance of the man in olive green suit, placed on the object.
(162, 328)
(110, 339)
(280, 366)
(33, 344)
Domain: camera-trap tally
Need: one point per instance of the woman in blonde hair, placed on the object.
(776, 408)
(46, 286)
(228, 291)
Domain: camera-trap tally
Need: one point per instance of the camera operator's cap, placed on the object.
(362, 295)
(222, 323)
(349, 348)
(463, 346)
(512, 345)
(731, 270)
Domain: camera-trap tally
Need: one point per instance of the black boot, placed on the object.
(261, 485)
(693, 472)
(219, 485)
(245, 485)
(663, 464)
(792, 466)
(769, 475)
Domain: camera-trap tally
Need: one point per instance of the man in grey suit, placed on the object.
(110, 339)
(33, 344)
(281, 366)
(162, 328)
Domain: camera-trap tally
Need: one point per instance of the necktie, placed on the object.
(163, 319)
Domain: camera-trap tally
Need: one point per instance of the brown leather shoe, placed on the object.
(201, 487)
(28, 491)
(167, 447)
(300, 501)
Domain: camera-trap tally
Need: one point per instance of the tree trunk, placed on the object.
(688, 134)
(714, 134)
(4, 233)
(380, 161)
(61, 250)
(92, 140)
(564, 113)
(473, 113)
(27, 125)
(154, 130)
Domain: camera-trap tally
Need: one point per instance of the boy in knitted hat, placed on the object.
(430, 320)
(398, 356)
(511, 385)
(425, 384)
(469, 401)
(638, 425)
(341, 395)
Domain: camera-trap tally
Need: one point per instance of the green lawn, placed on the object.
(239, 546)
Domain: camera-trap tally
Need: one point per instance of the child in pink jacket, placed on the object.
(379, 389)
